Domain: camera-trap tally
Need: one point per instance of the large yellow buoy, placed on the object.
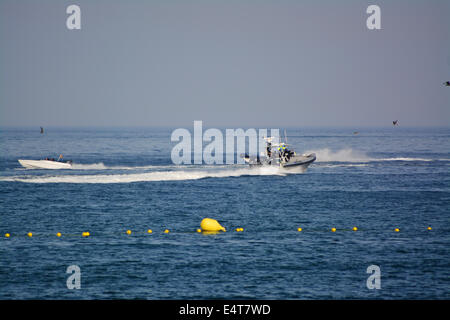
(208, 224)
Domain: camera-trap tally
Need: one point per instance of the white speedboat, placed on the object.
(45, 164)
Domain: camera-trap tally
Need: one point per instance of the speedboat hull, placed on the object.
(299, 161)
(302, 161)
(44, 164)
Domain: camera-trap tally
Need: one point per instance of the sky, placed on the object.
(228, 63)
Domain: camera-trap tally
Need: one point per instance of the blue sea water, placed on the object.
(123, 179)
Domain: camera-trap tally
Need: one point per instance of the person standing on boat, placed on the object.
(269, 149)
(285, 153)
(281, 151)
(60, 158)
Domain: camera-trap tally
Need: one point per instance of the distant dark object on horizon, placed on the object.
(395, 123)
(447, 83)
(42, 130)
(356, 132)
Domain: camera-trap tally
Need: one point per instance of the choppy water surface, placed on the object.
(123, 179)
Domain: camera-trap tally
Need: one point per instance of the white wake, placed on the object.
(176, 175)
(343, 155)
(350, 155)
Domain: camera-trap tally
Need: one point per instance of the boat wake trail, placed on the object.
(102, 166)
(176, 175)
(92, 166)
(343, 155)
(351, 156)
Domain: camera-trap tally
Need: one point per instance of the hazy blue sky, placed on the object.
(228, 63)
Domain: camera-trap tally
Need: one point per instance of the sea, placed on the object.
(373, 213)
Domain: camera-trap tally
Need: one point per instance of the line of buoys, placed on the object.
(208, 226)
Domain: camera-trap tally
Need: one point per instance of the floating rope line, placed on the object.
(130, 233)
